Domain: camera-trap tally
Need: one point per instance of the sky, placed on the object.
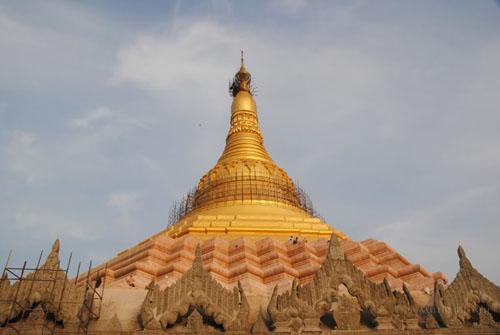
(386, 112)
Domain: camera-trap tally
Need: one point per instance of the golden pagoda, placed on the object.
(227, 265)
(254, 225)
(246, 193)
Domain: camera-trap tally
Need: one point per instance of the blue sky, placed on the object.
(386, 112)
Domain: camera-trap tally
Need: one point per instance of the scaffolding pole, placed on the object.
(91, 294)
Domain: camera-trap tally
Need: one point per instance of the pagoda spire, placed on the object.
(245, 171)
(244, 140)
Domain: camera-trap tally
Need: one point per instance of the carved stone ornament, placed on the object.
(470, 301)
(196, 292)
(303, 308)
(470, 296)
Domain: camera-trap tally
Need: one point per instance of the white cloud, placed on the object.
(43, 223)
(91, 118)
(103, 121)
(24, 157)
(66, 154)
(123, 200)
(196, 53)
(424, 221)
(65, 46)
(289, 6)
(126, 204)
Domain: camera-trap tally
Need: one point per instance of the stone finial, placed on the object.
(461, 252)
(335, 251)
(56, 246)
(198, 260)
(463, 260)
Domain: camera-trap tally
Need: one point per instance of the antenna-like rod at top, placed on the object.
(241, 57)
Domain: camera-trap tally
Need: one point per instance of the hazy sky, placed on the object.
(386, 112)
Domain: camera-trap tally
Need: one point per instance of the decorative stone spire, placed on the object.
(198, 260)
(335, 250)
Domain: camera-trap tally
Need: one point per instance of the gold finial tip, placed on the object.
(242, 78)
